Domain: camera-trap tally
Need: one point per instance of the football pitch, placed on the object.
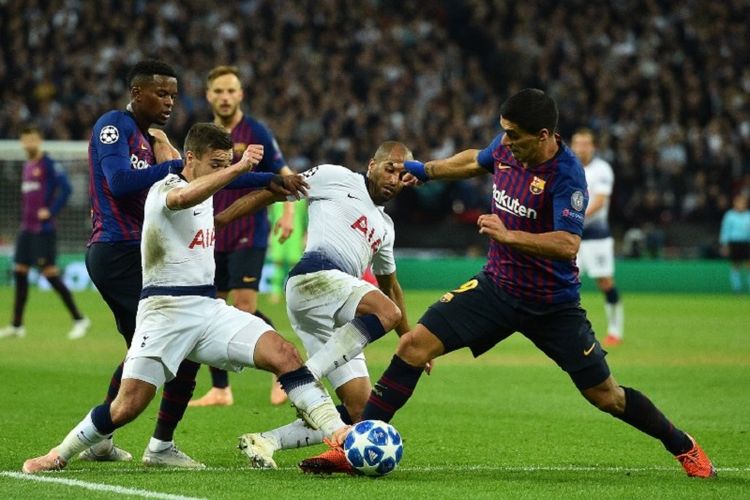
(507, 425)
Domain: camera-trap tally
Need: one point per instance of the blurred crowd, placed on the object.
(665, 84)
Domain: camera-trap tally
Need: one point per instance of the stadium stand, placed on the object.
(664, 84)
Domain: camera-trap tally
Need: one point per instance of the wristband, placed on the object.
(416, 168)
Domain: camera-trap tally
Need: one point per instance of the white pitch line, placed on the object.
(97, 486)
(447, 468)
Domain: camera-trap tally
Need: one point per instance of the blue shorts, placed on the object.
(36, 249)
(239, 269)
(479, 314)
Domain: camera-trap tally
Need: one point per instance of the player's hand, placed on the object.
(492, 226)
(284, 227)
(251, 157)
(289, 185)
(43, 213)
(163, 149)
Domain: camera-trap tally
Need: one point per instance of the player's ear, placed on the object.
(543, 135)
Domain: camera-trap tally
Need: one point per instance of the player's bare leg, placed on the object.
(97, 426)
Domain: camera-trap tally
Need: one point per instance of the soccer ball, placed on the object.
(373, 447)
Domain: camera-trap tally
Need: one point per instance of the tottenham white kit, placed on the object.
(596, 256)
(348, 232)
(178, 317)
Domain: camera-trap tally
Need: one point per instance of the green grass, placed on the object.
(508, 425)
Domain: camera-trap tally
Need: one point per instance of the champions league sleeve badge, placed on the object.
(109, 134)
(576, 201)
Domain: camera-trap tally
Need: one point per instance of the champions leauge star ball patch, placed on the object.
(109, 134)
(576, 201)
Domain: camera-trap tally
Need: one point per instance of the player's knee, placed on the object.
(412, 351)
(390, 316)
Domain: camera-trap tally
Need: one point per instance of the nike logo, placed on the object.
(350, 196)
(197, 212)
(248, 279)
(586, 352)
(143, 146)
(503, 167)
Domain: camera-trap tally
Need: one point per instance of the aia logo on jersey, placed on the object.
(368, 232)
(203, 239)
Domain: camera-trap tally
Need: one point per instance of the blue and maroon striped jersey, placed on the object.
(43, 185)
(121, 169)
(251, 231)
(548, 197)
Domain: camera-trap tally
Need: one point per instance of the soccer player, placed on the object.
(734, 238)
(178, 295)
(529, 284)
(123, 166)
(241, 245)
(331, 307)
(596, 256)
(45, 190)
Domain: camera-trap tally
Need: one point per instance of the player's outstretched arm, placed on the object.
(462, 165)
(202, 188)
(248, 204)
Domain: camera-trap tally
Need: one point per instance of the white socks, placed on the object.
(615, 319)
(157, 445)
(294, 435)
(345, 343)
(83, 435)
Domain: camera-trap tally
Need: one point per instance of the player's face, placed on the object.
(31, 143)
(224, 94)
(385, 175)
(583, 147)
(155, 99)
(211, 161)
(524, 145)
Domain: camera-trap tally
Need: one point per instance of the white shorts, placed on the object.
(596, 258)
(205, 330)
(318, 303)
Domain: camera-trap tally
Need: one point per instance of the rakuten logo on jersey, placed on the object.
(203, 239)
(137, 163)
(363, 227)
(511, 205)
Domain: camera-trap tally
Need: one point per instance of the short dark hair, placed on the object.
(532, 110)
(385, 150)
(31, 128)
(203, 137)
(147, 69)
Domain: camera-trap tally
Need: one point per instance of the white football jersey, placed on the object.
(600, 179)
(177, 248)
(345, 224)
